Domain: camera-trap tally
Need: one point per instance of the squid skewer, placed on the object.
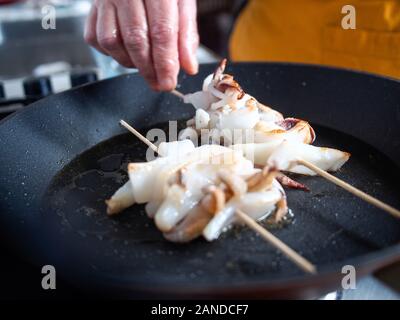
(211, 206)
(222, 106)
(299, 164)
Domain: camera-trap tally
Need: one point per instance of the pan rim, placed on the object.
(364, 265)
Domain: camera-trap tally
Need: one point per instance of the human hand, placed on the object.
(155, 36)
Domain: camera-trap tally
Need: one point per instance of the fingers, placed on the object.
(188, 36)
(156, 36)
(90, 30)
(135, 35)
(163, 22)
(108, 36)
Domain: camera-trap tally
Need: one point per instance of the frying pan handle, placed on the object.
(390, 276)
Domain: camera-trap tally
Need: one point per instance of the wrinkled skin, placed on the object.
(156, 36)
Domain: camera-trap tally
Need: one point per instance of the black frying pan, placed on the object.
(62, 156)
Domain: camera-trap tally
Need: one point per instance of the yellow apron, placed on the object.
(310, 31)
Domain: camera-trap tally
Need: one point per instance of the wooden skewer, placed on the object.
(348, 187)
(178, 94)
(303, 263)
(300, 261)
(139, 135)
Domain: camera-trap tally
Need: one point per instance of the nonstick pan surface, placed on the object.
(62, 156)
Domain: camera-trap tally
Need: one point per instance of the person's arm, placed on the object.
(155, 36)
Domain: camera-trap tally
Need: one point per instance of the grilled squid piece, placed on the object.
(290, 129)
(227, 111)
(194, 176)
(283, 155)
(268, 114)
(151, 208)
(175, 148)
(191, 227)
(123, 198)
(286, 154)
(226, 104)
(199, 216)
(200, 99)
(258, 205)
(174, 208)
(264, 196)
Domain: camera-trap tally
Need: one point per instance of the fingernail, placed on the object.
(194, 63)
(195, 66)
(167, 83)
